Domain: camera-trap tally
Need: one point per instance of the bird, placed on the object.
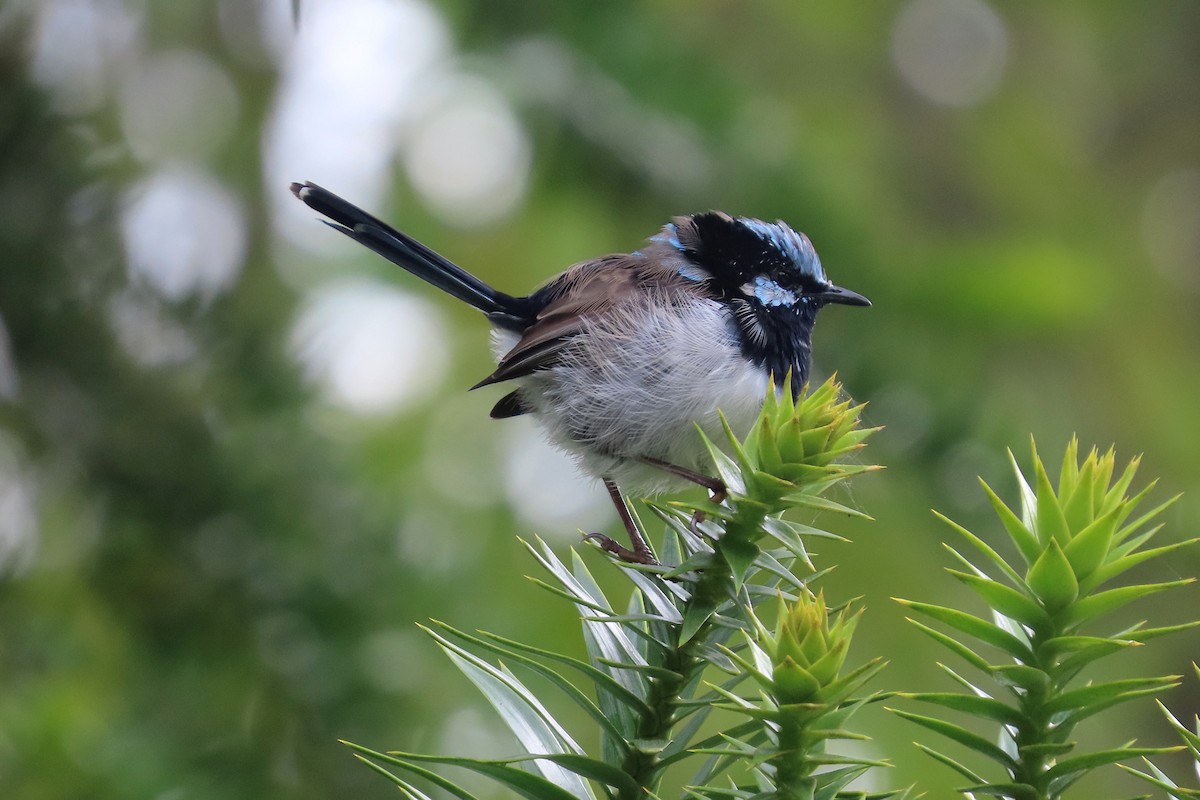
(621, 357)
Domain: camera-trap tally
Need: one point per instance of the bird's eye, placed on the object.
(768, 292)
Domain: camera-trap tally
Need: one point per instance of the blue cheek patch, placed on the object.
(770, 293)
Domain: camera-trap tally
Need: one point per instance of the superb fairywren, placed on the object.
(620, 357)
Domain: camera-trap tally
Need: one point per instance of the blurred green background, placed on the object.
(237, 457)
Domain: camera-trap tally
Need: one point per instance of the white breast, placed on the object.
(636, 384)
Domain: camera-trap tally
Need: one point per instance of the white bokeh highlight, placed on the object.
(148, 335)
(951, 52)
(468, 155)
(349, 77)
(546, 489)
(369, 347)
(178, 103)
(76, 48)
(18, 509)
(184, 234)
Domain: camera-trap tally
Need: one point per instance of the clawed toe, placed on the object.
(610, 545)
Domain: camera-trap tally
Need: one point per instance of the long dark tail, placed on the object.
(407, 252)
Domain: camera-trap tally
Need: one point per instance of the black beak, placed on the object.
(836, 294)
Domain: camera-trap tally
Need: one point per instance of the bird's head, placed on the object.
(767, 265)
(767, 274)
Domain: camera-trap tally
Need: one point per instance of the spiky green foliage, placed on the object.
(1191, 741)
(665, 670)
(1046, 604)
(804, 699)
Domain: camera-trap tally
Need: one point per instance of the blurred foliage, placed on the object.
(208, 571)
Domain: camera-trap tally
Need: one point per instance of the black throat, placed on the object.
(776, 338)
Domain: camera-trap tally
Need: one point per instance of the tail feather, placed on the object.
(405, 251)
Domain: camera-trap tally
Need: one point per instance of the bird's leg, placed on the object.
(641, 552)
(715, 485)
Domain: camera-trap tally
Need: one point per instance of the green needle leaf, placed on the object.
(1090, 761)
(974, 626)
(1006, 600)
(1051, 522)
(961, 735)
(1052, 579)
(1025, 540)
(1105, 602)
(970, 704)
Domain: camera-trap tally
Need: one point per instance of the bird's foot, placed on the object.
(635, 555)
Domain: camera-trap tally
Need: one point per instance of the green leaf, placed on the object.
(1028, 497)
(429, 775)
(728, 470)
(1070, 666)
(987, 550)
(1027, 679)
(953, 644)
(1006, 600)
(1087, 711)
(1161, 781)
(1044, 749)
(558, 591)
(1015, 791)
(673, 755)
(528, 784)
(769, 458)
(740, 555)
(974, 626)
(1060, 645)
(1105, 602)
(816, 440)
(516, 650)
(1089, 761)
(1103, 692)
(793, 683)
(977, 706)
(512, 649)
(1191, 738)
(584, 592)
(1025, 540)
(1052, 579)
(654, 591)
(1146, 634)
(534, 726)
(697, 613)
(1076, 493)
(586, 768)
(961, 735)
(950, 762)
(1051, 522)
(832, 783)
(963, 682)
(1112, 569)
(1128, 530)
(818, 503)
(787, 534)
(837, 691)
(1090, 547)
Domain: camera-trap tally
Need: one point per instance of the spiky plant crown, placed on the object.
(686, 673)
(1071, 541)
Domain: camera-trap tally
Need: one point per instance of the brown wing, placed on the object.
(585, 290)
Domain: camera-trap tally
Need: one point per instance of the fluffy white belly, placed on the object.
(636, 384)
